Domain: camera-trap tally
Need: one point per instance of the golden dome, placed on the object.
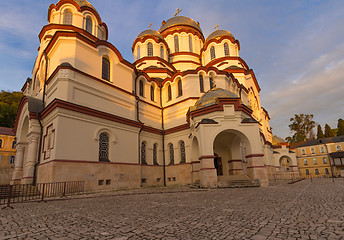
(179, 21)
(210, 98)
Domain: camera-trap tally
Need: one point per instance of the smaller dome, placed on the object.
(150, 32)
(218, 34)
(210, 97)
(180, 21)
(277, 140)
(84, 3)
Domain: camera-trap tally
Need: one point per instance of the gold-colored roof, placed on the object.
(150, 32)
(83, 3)
(219, 33)
(179, 21)
(210, 97)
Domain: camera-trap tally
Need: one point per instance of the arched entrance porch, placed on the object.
(230, 150)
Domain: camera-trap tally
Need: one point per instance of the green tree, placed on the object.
(328, 131)
(320, 133)
(9, 102)
(340, 127)
(302, 125)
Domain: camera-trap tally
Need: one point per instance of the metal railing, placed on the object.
(284, 177)
(20, 193)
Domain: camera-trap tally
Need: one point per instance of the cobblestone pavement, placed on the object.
(304, 210)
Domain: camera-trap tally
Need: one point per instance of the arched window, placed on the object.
(212, 53)
(103, 147)
(307, 172)
(169, 93)
(190, 43)
(13, 144)
(211, 82)
(143, 153)
(67, 17)
(303, 152)
(152, 92)
(201, 84)
(327, 171)
(138, 52)
(162, 52)
(155, 154)
(313, 150)
(322, 149)
(89, 27)
(150, 49)
(226, 49)
(180, 88)
(324, 160)
(141, 88)
(182, 152)
(171, 154)
(339, 148)
(176, 43)
(0, 143)
(316, 171)
(105, 69)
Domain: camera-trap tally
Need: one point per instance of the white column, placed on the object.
(18, 169)
(31, 158)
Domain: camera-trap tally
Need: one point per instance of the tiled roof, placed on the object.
(6, 131)
(323, 141)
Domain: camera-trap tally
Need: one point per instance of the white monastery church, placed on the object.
(187, 111)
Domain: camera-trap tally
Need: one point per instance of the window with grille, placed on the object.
(212, 53)
(14, 144)
(143, 153)
(327, 171)
(171, 154)
(176, 43)
(180, 88)
(155, 154)
(152, 92)
(190, 43)
(105, 69)
(67, 17)
(182, 152)
(169, 93)
(150, 49)
(103, 147)
(89, 24)
(226, 49)
(201, 84)
(162, 52)
(141, 89)
(307, 172)
(316, 171)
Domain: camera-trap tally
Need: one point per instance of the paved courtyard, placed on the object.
(304, 210)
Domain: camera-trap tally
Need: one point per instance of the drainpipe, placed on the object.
(163, 137)
(137, 100)
(34, 181)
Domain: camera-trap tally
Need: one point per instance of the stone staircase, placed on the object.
(232, 181)
(236, 181)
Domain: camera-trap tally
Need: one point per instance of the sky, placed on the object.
(295, 47)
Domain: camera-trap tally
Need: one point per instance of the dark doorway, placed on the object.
(218, 165)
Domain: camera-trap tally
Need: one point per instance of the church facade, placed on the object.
(186, 111)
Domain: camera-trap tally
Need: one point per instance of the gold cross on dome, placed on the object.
(216, 26)
(177, 12)
(150, 24)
